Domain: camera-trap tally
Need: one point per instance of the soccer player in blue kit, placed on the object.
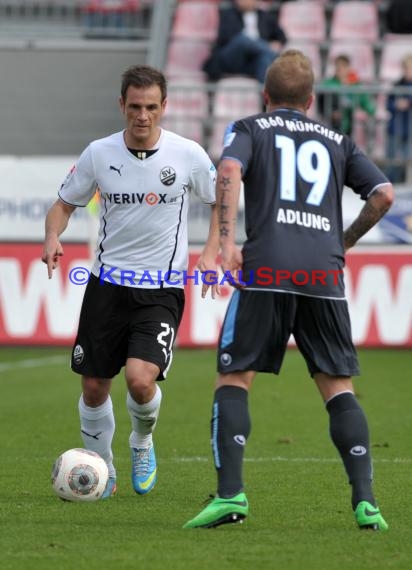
(130, 317)
(294, 171)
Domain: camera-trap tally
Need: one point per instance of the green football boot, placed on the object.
(369, 517)
(221, 511)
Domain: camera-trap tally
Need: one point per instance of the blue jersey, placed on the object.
(294, 172)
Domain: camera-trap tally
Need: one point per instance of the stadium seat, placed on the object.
(361, 56)
(185, 58)
(187, 109)
(235, 97)
(395, 48)
(355, 20)
(196, 20)
(303, 20)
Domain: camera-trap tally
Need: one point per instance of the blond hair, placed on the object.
(289, 79)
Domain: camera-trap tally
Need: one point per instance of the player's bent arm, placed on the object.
(56, 222)
(375, 208)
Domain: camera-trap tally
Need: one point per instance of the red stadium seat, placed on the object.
(303, 20)
(196, 20)
(237, 97)
(355, 20)
(185, 58)
(361, 56)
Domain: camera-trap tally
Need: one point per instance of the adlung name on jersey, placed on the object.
(305, 219)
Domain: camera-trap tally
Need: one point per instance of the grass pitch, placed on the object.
(299, 497)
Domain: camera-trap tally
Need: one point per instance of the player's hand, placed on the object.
(52, 251)
(232, 263)
(208, 266)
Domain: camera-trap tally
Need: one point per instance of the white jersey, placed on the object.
(144, 206)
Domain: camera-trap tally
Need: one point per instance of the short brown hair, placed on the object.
(143, 76)
(289, 79)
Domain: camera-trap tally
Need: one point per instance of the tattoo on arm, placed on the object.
(224, 182)
(374, 209)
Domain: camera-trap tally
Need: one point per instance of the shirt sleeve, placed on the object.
(203, 176)
(237, 144)
(362, 175)
(80, 184)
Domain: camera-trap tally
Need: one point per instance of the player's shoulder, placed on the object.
(109, 141)
(181, 144)
(249, 121)
(170, 137)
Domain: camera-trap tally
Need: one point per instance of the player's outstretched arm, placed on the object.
(56, 222)
(229, 180)
(207, 260)
(375, 208)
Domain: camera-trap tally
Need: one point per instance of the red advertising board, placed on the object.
(36, 310)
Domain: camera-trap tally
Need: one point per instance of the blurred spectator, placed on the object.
(337, 108)
(399, 17)
(399, 143)
(248, 40)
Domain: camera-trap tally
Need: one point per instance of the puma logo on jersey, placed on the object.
(116, 169)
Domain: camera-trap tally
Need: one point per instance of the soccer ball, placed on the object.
(79, 475)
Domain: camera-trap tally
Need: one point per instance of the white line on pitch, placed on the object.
(199, 459)
(34, 362)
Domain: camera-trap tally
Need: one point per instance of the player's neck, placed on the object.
(271, 108)
(152, 143)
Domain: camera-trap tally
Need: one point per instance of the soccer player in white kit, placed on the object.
(133, 302)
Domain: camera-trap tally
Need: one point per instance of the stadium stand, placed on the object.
(41, 19)
(118, 18)
(176, 35)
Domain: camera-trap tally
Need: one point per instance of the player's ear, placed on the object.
(121, 104)
(310, 102)
(164, 104)
(265, 97)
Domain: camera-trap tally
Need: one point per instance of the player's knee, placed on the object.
(141, 383)
(95, 391)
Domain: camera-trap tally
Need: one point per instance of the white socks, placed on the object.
(97, 430)
(144, 417)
